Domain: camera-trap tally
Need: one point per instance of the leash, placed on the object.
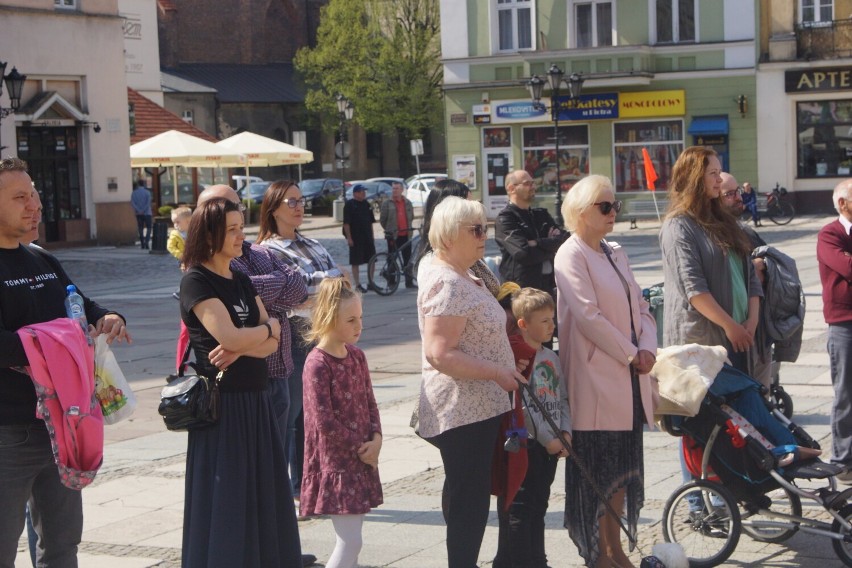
(584, 472)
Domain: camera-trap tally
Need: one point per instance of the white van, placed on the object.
(240, 182)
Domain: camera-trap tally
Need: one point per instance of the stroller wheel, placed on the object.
(779, 500)
(703, 517)
(843, 548)
(783, 401)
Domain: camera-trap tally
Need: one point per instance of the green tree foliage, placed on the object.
(384, 56)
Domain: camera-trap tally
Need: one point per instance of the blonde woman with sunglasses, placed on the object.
(608, 339)
(468, 367)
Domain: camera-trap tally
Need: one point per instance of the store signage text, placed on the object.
(588, 107)
(652, 103)
(519, 110)
(820, 79)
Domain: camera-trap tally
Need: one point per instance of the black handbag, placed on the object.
(190, 401)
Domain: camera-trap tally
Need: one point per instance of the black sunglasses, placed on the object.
(606, 206)
(478, 231)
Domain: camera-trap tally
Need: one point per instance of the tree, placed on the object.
(384, 56)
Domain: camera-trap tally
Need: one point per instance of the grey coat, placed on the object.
(694, 264)
(387, 217)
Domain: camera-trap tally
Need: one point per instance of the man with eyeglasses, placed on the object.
(528, 236)
(777, 305)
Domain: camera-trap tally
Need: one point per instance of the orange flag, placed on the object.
(650, 172)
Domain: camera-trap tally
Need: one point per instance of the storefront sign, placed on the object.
(589, 107)
(521, 110)
(819, 79)
(465, 170)
(458, 118)
(652, 103)
(481, 114)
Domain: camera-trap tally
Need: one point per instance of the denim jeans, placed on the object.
(294, 443)
(28, 476)
(144, 222)
(840, 359)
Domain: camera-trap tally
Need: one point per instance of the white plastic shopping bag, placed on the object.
(111, 387)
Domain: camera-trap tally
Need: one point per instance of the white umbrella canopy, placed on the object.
(260, 151)
(174, 148)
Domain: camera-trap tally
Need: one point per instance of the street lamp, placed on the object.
(345, 112)
(15, 85)
(555, 78)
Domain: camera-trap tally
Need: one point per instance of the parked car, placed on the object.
(313, 190)
(417, 187)
(388, 180)
(241, 181)
(375, 190)
(255, 191)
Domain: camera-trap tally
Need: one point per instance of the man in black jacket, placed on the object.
(527, 236)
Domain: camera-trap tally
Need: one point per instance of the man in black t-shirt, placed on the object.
(358, 222)
(32, 290)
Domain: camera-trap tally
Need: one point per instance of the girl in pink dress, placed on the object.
(343, 434)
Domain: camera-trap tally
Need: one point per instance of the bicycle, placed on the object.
(386, 269)
(778, 207)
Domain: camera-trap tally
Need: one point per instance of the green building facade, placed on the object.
(658, 75)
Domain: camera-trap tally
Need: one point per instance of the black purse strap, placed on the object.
(185, 359)
(634, 337)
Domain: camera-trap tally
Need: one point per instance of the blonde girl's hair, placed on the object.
(688, 196)
(332, 293)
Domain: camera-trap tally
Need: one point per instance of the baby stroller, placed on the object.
(732, 447)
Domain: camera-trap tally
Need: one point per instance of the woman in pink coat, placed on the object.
(608, 339)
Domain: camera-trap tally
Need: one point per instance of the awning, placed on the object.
(709, 125)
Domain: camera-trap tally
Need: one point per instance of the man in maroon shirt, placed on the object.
(834, 254)
(397, 217)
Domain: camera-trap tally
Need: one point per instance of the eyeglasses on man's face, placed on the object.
(525, 183)
(478, 231)
(606, 207)
(732, 193)
(292, 202)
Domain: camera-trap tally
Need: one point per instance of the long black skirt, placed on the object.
(239, 509)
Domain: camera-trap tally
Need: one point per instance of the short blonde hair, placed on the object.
(527, 301)
(181, 212)
(584, 194)
(448, 217)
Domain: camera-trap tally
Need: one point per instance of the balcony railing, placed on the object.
(824, 40)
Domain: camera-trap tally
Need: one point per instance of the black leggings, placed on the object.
(467, 452)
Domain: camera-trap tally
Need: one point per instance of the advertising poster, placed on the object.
(464, 168)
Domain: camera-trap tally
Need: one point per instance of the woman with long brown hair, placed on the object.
(712, 294)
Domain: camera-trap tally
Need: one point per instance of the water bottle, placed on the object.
(75, 310)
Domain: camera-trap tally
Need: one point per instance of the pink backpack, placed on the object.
(62, 368)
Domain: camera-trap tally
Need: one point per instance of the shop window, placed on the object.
(675, 21)
(374, 145)
(514, 25)
(540, 156)
(593, 23)
(816, 11)
(131, 117)
(662, 138)
(824, 137)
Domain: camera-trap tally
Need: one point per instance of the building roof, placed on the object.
(152, 119)
(272, 83)
(174, 84)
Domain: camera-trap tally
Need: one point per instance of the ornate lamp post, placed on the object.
(15, 85)
(345, 112)
(556, 78)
